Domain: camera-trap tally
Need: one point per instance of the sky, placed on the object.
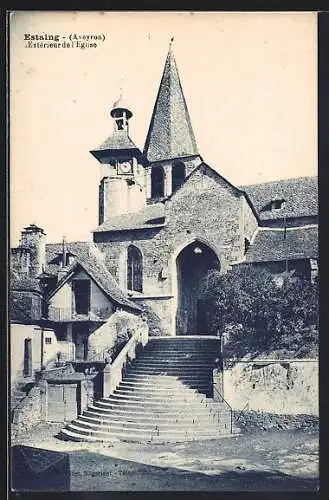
(249, 79)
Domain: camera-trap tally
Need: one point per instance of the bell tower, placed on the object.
(122, 174)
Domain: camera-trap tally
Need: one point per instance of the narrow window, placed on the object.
(157, 182)
(178, 174)
(48, 340)
(134, 269)
(81, 289)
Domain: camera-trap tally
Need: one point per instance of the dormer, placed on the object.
(276, 203)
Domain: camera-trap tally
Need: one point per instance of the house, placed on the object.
(57, 304)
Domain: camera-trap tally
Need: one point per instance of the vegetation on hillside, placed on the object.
(258, 316)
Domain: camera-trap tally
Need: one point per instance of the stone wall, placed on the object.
(28, 412)
(106, 336)
(280, 387)
(87, 393)
(264, 421)
(205, 208)
(249, 221)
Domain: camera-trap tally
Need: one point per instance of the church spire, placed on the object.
(170, 133)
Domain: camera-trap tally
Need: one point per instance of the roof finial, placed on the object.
(64, 252)
(121, 87)
(171, 41)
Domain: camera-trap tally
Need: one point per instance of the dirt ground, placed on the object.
(272, 460)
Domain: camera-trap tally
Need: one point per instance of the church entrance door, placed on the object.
(193, 262)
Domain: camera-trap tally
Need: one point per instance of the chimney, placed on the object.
(34, 239)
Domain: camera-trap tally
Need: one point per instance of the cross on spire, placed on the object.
(121, 87)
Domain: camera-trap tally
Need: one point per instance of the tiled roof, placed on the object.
(170, 134)
(54, 249)
(118, 140)
(271, 245)
(151, 216)
(90, 259)
(301, 195)
(21, 282)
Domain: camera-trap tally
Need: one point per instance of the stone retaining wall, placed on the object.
(28, 412)
(286, 387)
(253, 420)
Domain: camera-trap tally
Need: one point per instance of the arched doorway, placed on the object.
(192, 264)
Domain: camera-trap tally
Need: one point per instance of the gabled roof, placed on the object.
(170, 134)
(151, 216)
(89, 258)
(54, 249)
(205, 168)
(300, 195)
(270, 244)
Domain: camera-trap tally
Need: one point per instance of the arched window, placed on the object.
(157, 182)
(134, 269)
(178, 174)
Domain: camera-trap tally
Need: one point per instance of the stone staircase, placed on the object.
(161, 398)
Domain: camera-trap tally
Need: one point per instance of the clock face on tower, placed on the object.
(125, 167)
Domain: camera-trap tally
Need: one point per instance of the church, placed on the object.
(166, 217)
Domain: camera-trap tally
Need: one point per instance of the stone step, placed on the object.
(184, 380)
(147, 418)
(148, 412)
(177, 353)
(157, 393)
(169, 364)
(158, 345)
(142, 434)
(181, 367)
(168, 371)
(176, 361)
(73, 435)
(151, 409)
(157, 396)
(183, 345)
(159, 387)
(156, 376)
(149, 386)
(143, 404)
(87, 422)
(179, 372)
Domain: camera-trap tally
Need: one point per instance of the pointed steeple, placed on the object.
(170, 133)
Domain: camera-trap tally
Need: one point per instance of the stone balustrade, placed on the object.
(113, 373)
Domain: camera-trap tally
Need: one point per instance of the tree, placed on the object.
(256, 314)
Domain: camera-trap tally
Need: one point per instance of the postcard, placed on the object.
(164, 238)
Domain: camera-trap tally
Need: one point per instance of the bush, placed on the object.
(257, 315)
